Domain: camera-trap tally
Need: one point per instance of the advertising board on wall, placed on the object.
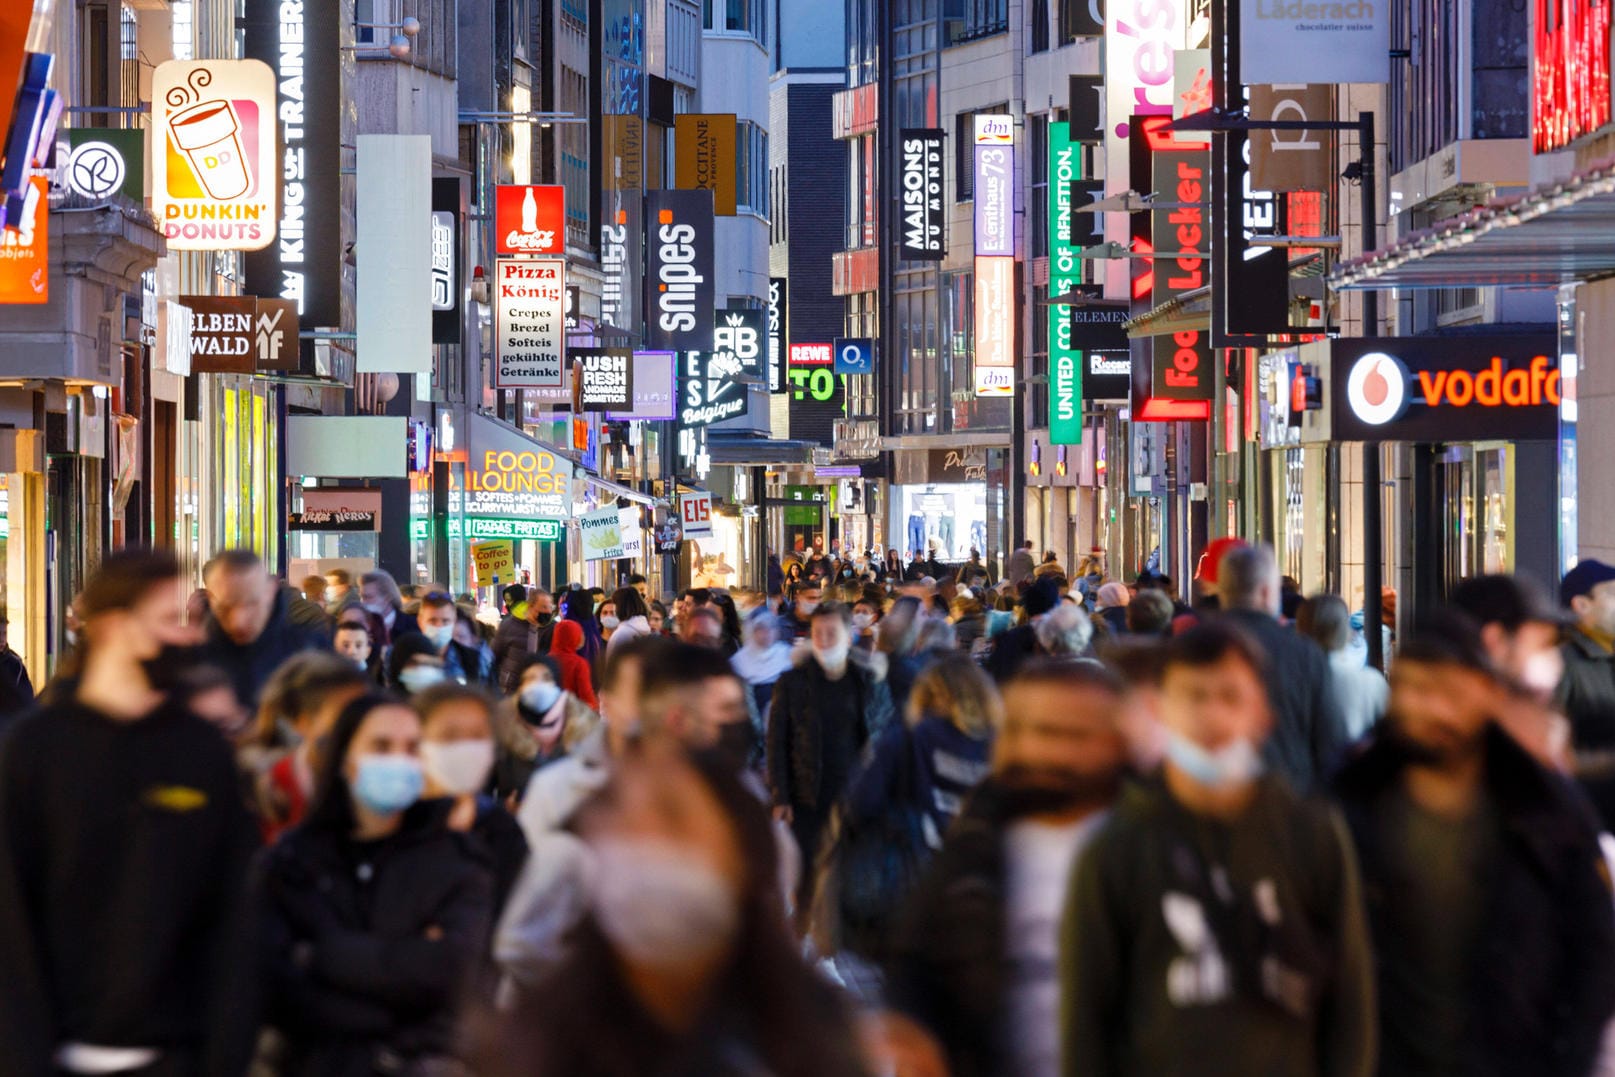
(994, 188)
(608, 378)
(654, 387)
(214, 180)
(704, 160)
(529, 314)
(679, 291)
(739, 332)
(778, 332)
(241, 334)
(920, 194)
(995, 327)
(1333, 41)
(712, 390)
(529, 219)
(1065, 273)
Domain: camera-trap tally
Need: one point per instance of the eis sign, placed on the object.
(1427, 389)
(529, 220)
(213, 154)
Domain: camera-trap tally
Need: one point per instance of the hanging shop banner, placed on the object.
(25, 250)
(633, 533)
(493, 562)
(668, 538)
(446, 286)
(1313, 41)
(214, 180)
(1140, 39)
(1251, 284)
(241, 334)
(1100, 342)
(1434, 389)
(301, 41)
(393, 307)
(778, 332)
(602, 534)
(995, 186)
(1570, 66)
(995, 326)
(1292, 160)
(621, 239)
(1086, 97)
(529, 219)
(1182, 360)
(854, 355)
(679, 270)
(510, 476)
(811, 372)
(608, 378)
(712, 389)
(529, 313)
(695, 514)
(920, 177)
(106, 161)
(334, 520)
(1065, 274)
(704, 157)
(739, 332)
(654, 381)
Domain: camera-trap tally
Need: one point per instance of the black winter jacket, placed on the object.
(1543, 981)
(367, 947)
(1309, 729)
(795, 761)
(249, 666)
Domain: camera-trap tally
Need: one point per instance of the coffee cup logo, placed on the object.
(209, 132)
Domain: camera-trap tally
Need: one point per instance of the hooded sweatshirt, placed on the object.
(575, 676)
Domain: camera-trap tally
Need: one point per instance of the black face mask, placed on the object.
(1041, 790)
(545, 620)
(168, 669)
(737, 742)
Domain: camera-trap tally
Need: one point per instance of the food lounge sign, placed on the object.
(1445, 388)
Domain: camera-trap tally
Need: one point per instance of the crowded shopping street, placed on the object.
(785, 538)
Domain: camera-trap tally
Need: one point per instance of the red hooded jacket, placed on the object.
(575, 675)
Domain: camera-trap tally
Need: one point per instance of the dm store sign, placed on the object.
(213, 154)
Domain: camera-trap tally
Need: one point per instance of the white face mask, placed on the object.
(419, 678)
(439, 636)
(608, 621)
(833, 659)
(862, 620)
(806, 606)
(460, 766)
(378, 608)
(541, 696)
(657, 905)
(1235, 763)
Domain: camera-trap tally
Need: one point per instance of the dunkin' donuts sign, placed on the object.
(1445, 388)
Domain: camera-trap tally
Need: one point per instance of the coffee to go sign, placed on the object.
(1459, 388)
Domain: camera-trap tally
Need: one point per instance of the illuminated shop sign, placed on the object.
(1427, 389)
(510, 477)
(25, 250)
(920, 179)
(529, 220)
(608, 378)
(529, 313)
(482, 528)
(995, 186)
(1065, 273)
(704, 158)
(1182, 360)
(738, 332)
(778, 331)
(655, 375)
(995, 326)
(1570, 95)
(214, 180)
(712, 391)
(620, 240)
(1327, 41)
(812, 372)
(679, 270)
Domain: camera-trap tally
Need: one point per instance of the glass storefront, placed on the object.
(241, 427)
(948, 518)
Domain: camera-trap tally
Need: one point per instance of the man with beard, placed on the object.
(1487, 899)
(976, 962)
(1215, 925)
(124, 847)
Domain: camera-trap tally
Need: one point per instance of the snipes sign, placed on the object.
(1428, 389)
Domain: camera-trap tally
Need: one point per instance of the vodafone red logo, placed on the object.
(1377, 389)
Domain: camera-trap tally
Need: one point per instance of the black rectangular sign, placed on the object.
(920, 181)
(679, 294)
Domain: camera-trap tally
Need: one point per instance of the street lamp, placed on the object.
(400, 45)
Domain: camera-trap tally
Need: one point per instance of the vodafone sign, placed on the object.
(1430, 389)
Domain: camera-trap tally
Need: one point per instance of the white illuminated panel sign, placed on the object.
(995, 186)
(529, 315)
(995, 328)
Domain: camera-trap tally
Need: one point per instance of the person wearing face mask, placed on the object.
(823, 713)
(1215, 924)
(414, 664)
(1488, 901)
(797, 621)
(375, 911)
(124, 852)
(469, 663)
(763, 659)
(680, 961)
(529, 620)
(537, 726)
(301, 704)
(457, 756)
(976, 955)
(633, 618)
(381, 598)
(866, 614)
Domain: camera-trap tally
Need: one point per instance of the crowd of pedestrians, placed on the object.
(886, 817)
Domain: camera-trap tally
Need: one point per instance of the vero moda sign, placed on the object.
(921, 179)
(679, 271)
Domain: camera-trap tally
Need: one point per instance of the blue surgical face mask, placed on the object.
(387, 784)
(539, 698)
(419, 678)
(439, 636)
(1235, 763)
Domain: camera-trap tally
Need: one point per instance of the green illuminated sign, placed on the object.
(817, 382)
(482, 527)
(1065, 273)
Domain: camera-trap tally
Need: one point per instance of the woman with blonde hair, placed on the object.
(932, 760)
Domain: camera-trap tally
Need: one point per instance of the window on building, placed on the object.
(964, 153)
(1038, 126)
(738, 16)
(751, 168)
(980, 18)
(1040, 25)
